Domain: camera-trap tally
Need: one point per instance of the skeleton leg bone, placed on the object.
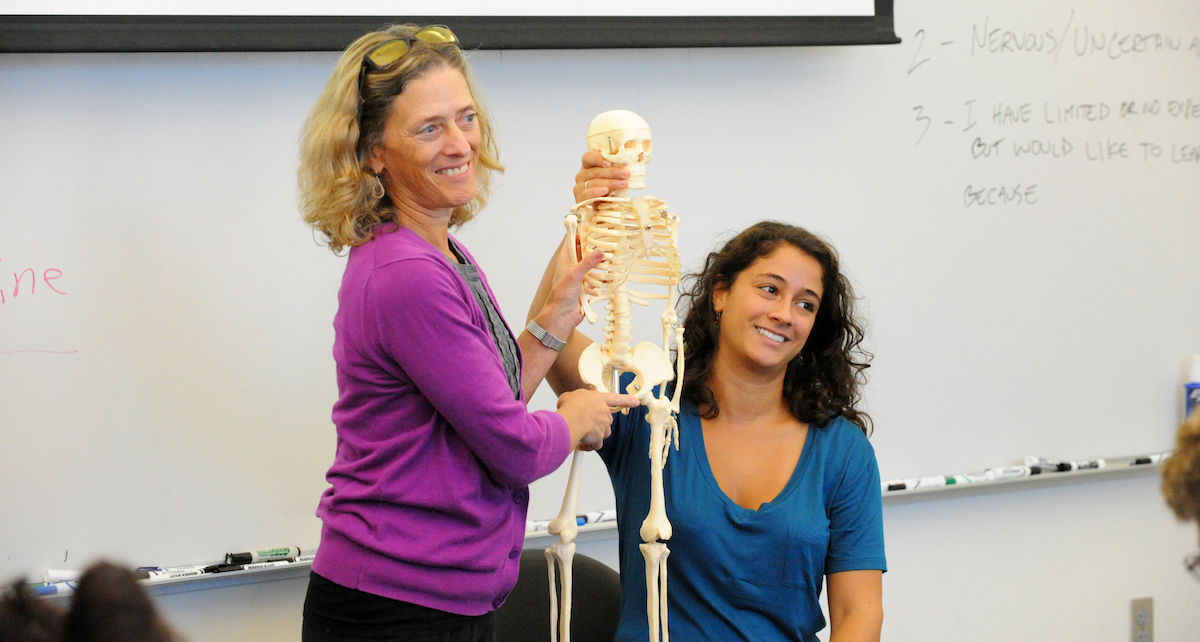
(563, 552)
(656, 554)
(656, 526)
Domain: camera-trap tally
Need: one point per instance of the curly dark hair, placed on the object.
(1181, 472)
(824, 382)
(24, 617)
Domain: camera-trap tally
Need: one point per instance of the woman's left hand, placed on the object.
(598, 177)
(562, 310)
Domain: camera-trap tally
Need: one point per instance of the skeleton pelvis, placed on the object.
(649, 364)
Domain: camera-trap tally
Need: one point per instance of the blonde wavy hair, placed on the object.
(339, 196)
(1181, 473)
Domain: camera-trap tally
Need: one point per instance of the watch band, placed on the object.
(547, 339)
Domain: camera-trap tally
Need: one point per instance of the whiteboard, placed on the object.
(165, 394)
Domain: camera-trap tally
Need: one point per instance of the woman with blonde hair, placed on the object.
(424, 519)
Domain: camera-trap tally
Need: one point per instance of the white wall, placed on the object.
(173, 405)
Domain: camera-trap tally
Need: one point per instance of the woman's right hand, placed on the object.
(589, 415)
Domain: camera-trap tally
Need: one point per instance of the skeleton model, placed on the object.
(639, 241)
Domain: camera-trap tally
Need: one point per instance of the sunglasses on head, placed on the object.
(385, 54)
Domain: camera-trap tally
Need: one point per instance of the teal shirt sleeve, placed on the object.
(854, 505)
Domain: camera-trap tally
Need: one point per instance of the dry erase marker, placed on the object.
(263, 555)
(54, 577)
(1048, 466)
(276, 564)
(57, 588)
(155, 576)
(305, 559)
(1150, 459)
(1007, 472)
(1091, 463)
(225, 568)
(1191, 390)
(609, 515)
(902, 484)
(931, 482)
(1059, 467)
(144, 572)
(958, 480)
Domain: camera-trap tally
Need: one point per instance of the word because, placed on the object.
(30, 277)
(1003, 195)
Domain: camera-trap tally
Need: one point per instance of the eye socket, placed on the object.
(631, 144)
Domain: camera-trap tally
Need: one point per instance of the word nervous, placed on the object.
(25, 282)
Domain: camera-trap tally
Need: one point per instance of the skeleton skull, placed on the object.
(622, 138)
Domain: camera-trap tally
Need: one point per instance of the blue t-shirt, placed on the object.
(735, 573)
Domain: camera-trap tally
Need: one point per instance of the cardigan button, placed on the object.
(514, 553)
(520, 497)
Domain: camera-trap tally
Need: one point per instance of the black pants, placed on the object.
(334, 613)
(473, 633)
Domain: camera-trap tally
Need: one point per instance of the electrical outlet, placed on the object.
(1143, 620)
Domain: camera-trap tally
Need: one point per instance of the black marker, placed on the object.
(225, 568)
(264, 555)
(1056, 468)
(1150, 459)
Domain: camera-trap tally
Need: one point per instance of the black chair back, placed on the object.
(595, 599)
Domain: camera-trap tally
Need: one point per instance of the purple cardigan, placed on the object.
(429, 485)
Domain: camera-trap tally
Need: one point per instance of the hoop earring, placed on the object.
(377, 190)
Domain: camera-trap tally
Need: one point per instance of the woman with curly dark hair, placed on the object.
(823, 385)
(775, 487)
(1181, 478)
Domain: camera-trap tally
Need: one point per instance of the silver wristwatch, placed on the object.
(547, 339)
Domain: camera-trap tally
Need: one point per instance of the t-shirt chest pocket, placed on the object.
(804, 558)
(771, 552)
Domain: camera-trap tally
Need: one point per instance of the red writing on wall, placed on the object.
(26, 282)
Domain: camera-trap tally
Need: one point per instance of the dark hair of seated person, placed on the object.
(110, 606)
(26, 618)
